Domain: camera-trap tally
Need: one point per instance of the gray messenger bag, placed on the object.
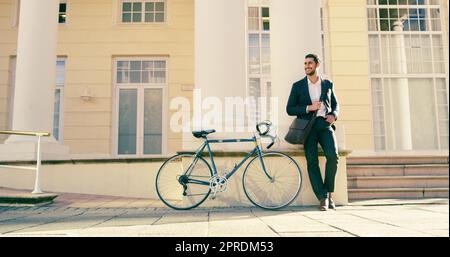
(299, 130)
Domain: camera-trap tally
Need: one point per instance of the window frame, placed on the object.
(66, 13)
(143, 12)
(12, 88)
(264, 78)
(426, 6)
(140, 87)
(384, 76)
(16, 13)
(325, 65)
(60, 87)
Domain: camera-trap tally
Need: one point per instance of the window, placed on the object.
(140, 92)
(420, 53)
(143, 11)
(62, 15)
(59, 96)
(407, 55)
(15, 14)
(59, 93)
(324, 29)
(258, 59)
(12, 83)
(416, 15)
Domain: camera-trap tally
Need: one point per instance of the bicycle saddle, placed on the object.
(202, 133)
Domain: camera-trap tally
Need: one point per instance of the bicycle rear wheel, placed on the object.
(276, 191)
(183, 190)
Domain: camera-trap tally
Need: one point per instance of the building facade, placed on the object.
(120, 64)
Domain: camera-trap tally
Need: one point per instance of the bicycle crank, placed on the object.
(217, 184)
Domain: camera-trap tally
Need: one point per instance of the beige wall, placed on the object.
(138, 180)
(90, 40)
(90, 63)
(349, 68)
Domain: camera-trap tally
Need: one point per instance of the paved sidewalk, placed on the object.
(92, 215)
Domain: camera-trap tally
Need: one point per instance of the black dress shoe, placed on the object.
(323, 204)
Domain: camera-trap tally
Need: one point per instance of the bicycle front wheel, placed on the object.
(275, 188)
(182, 182)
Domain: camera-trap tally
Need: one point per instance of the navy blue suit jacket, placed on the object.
(300, 98)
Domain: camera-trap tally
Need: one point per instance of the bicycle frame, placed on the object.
(206, 145)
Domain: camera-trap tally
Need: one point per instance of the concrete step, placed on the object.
(398, 170)
(14, 196)
(411, 193)
(378, 182)
(404, 160)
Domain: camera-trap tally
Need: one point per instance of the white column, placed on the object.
(220, 48)
(36, 67)
(294, 31)
(400, 93)
(35, 79)
(220, 68)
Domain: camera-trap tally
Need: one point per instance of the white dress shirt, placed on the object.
(315, 90)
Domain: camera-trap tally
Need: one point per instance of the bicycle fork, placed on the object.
(261, 159)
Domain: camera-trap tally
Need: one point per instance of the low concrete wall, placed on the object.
(137, 179)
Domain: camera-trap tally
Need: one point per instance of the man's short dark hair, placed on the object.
(315, 57)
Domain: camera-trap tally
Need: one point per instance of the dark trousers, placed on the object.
(323, 134)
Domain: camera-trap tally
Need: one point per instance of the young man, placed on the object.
(309, 95)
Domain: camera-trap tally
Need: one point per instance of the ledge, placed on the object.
(342, 152)
(87, 161)
(10, 196)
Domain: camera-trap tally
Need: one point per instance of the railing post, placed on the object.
(37, 182)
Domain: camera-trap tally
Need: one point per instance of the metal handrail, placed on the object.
(25, 133)
(37, 182)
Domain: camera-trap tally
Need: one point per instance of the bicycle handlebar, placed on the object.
(263, 129)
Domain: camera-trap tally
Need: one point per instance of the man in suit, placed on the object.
(311, 95)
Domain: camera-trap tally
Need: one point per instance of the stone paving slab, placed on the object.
(317, 234)
(239, 223)
(90, 215)
(383, 202)
(35, 219)
(295, 222)
(189, 229)
(127, 218)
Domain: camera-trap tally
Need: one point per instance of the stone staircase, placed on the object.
(397, 177)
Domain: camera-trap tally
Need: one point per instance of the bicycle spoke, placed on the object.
(184, 189)
(261, 171)
(276, 193)
(287, 166)
(173, 185)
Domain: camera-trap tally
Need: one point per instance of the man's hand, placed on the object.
(331, 119)
(314, 107)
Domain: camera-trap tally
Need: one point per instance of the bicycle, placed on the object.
(271, 179)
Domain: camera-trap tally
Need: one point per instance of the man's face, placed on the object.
(310, 66)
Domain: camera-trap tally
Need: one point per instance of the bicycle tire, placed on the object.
(170, 190)
(262, 191)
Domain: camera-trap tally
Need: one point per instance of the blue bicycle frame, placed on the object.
(207, 143)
